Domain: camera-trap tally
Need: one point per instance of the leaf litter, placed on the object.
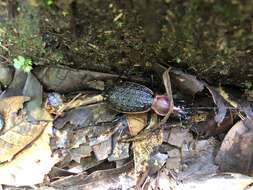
(81, 143)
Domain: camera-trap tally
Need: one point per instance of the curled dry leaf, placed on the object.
(235, 154)
(66, 79)
(31, 165)
(65, 182)
(210, 127)
(188, 84)
(117, 178)
(220, 102)
(90, 162)
(167, 84)
(34, 90)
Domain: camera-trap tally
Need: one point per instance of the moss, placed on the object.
(212, 39)
(23, 36)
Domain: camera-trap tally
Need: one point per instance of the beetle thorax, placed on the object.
(161, 105)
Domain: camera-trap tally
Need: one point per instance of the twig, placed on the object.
(6, 59)
(66, 106)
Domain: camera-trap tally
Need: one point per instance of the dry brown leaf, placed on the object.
(179, 136)
(186, 83)
(197, 159)
(68, 79)
(17, 138)
(11, 105)
(84, 150)
(31, 165)
(136, 122)
(220, 102)
(77, 117)
(167, 85)
(143, 148)
(116, 178)
(41, 114)
(17, 132)
(237, 148)
(103, 149)
(120, 150)
(222, 181)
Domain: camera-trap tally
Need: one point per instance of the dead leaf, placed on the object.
(62, 139)
(68, 181)
(190, 85)
(57, 173)
(237, 148)
(12, 105)
(79, 137)
(156, 162)
(220, 181)
(31, 165)
(210, 127)
(136, 122)
(174, 162)
(167, 84)
(89, 162)
(34, 90)
(220, 103)
(120, 150)
(178, 136)
(198, 159)
(103, 149)
(247, 109)
(66, 79)
(84, 150)
(77, 117)
(143, 148)
(16, 86)
(18, 132)
(18, 137)
(116, 178)
(186, 83)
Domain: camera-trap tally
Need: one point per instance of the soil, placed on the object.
(211, 39)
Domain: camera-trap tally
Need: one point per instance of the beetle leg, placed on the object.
(167, 85)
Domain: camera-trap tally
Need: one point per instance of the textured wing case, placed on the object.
(129, 97)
